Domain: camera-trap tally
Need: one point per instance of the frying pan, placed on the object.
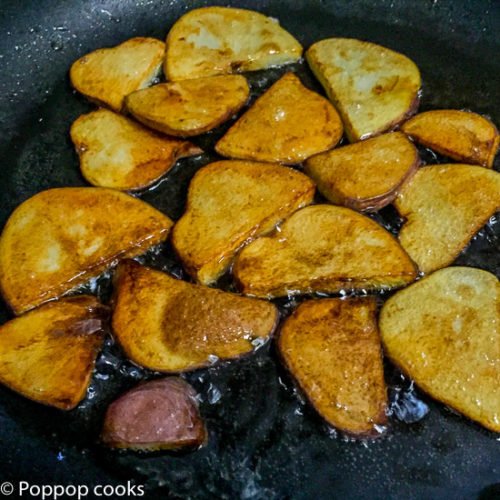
(264, 442)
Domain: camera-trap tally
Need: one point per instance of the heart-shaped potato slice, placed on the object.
(119, 153)
(323, 248)
(444, 333)
(61, 237)
(107, 75)
(214, 40)
(48, 354)
(286, 124)
(189, 107)
(169, 325)
(373, 87)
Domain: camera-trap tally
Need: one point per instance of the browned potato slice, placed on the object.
(106, 76)
(445, 206)
(287, 124)
(444, 332)
(332, 348)
(323, 248)
(48, 354)
(230, 203)
(461, 135)
(157, 415)
(367, 175)
(168, 325)
(374, 88)
(118, 153)
(60, 238)
(189, 107)
(215, 40)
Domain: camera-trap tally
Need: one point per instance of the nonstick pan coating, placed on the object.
(264, 442)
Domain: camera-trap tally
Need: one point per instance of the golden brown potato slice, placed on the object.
(332, 349)
(168, 325)
(445, 206)
(215, 40)
(461, 135)
(323, 248)
(287, 124)
(374, 88)
(48, 354)
(160, 414)
(118, 153)
(230, 203)
(444, 332)
(60, 238)
(106, 76)
(367, 175)
(189, 107)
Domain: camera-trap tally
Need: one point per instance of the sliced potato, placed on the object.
(367, 175)
(287, 124)
(189, 107)
(160, 414)
(323, 248)
(461, 135)
(118, 153)
(373, 87)
(168, 325)
(48, 354)
(106, 76)
(230, 203)
(332, 348)
(214, 40)
(445, 206)
(60, 238)
(444, 332)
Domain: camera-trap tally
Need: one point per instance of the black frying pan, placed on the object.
(264, 443)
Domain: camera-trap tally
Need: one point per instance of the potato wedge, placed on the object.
(444, 332)
(169, 325)
(445, 206)
(231, 203)
(106, 76)
(332, 349)
(287, 124)
(323, 248)
(373, 87)
(61, 237)
(161, 414)
(215, 40)
(118, 153)
(48, 354)
(189, 107)
(461, 135)
(367, 175)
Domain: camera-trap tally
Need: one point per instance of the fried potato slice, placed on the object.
(189, 107)
(286, 124)
(214, 40)
(445, 206)
(444, 332)
(161, 414)
(461, 135)
(106, 76)
(373, 87)
(367, 175)
(323, 248)
(332, 349)
(230, 203)
(169, 325)
(61, 237)
(48, 354)
(118, 153)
